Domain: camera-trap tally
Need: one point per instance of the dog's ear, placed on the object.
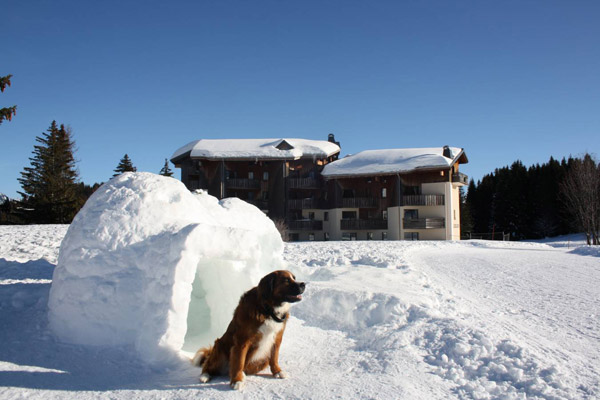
(265, 286)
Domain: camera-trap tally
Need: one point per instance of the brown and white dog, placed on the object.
(253, 336)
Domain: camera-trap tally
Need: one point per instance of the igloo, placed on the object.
(150, 266)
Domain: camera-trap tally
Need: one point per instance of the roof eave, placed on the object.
(403, 172)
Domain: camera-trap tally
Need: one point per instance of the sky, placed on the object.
(505, 80)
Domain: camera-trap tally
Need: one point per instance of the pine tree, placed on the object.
(6, 112)
(466, 220)
(125, 165)
(166, 171)
(49, 184)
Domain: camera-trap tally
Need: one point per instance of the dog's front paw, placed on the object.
(238, 381)
(281, 375)
(204, 377)
(239, 385)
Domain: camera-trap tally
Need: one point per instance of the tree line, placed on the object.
(551, 199)
(52, 192)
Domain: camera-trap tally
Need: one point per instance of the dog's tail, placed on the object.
(201, 356)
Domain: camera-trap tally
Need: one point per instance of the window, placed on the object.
(383, 193)
(348, 214)
(250, 175)
(349, 236)
(266, 176)
(369, 235)
(384, 215)
(411, 236)
(311, 216)
(326, 216)
(411, 214)
(411, 190)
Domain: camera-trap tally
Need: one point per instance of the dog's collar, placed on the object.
(269, 312)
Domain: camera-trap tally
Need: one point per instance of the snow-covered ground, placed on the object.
(413, 320)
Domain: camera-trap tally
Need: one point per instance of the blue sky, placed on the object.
(506, 80)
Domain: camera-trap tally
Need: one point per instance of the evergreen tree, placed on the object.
(6, 112)
(166, 171)
(523, 202)
(466, 220)
(49, 184)
(125, 165)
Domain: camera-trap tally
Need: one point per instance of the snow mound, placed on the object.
(145, 262)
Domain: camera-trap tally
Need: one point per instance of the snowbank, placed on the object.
(143, 252)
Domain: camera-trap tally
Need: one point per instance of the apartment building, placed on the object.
(393, 194)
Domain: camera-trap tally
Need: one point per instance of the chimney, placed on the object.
(331, 139)
(447, 152)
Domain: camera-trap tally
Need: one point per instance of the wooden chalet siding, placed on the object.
(277, 191)
(303, 183)
(418, 178)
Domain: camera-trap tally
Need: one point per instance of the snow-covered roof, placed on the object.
(392, 161)
(257, 149)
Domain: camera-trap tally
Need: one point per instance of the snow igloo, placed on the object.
(148, 265)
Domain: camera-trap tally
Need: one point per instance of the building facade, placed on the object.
(395, 194)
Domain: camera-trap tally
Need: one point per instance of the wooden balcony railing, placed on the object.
(423, 200)
(359, 202)
(460, 179)
(237, 183)
(303, 204)
(303, 183)
(363, 224)
(424, 223)
(305, 225)
(261, 204)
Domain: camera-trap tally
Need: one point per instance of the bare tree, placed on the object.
(580, 191)
(282, 227)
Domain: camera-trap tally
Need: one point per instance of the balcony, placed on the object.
(424, 223)
(260, 204)
(303, 183)
(423, 200)
(359, 202)
(305, 225)
(460, 179)
(363, 224)
(236, 183)
(303, 204)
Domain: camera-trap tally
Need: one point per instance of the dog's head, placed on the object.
(280, 287)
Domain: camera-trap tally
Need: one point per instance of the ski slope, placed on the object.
(413, 320)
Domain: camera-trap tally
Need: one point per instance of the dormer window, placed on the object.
(283, 145)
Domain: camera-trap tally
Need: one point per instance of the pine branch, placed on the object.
(4, 82)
